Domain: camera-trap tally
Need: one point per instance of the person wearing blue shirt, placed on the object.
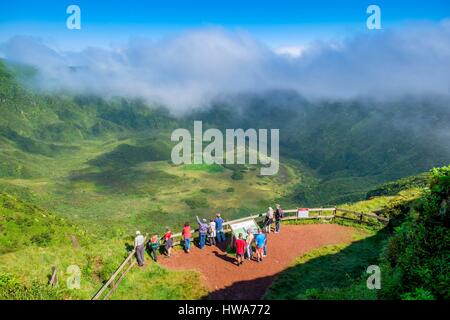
(260, 241)
(219, 228)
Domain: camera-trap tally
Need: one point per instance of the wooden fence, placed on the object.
(317, 213)
(111, 285)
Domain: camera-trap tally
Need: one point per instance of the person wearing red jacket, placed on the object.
(240, 249)
(186, 233)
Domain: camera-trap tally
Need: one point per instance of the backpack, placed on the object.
(154, 242)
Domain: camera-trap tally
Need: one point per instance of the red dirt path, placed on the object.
(226, 280)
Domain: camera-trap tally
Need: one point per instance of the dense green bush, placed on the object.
(418, 294)
(418, 255)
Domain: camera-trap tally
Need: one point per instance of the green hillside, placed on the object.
(88, 160)
(59, 148)
(412, 251)
(79, 174)
(346, 148)
(33, 240)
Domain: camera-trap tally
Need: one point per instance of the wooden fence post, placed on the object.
(54, 278)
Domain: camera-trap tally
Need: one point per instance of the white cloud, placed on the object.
(189, 69)
(292, 51)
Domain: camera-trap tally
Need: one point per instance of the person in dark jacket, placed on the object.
(202, 230)
(278, 216)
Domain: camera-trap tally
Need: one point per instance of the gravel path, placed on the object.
(226, 280)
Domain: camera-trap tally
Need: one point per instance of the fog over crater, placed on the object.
(191, 69)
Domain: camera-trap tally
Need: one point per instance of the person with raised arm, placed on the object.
(202, 230)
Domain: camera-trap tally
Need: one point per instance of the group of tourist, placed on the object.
(273, 216)
(244, 246)
(209, 231)
(212, 232)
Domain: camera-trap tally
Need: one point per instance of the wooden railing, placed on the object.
(360, 216)
(110, 286)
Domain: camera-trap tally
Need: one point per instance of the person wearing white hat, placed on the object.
(139, 247)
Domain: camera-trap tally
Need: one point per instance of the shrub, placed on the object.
(418, 252)
(237, 175)
(196, 202)
(42, 239)
(418, 294)
(11, 288)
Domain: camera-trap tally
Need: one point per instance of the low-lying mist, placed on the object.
(191, 69)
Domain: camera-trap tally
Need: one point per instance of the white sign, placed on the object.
(243, 226)
(303, 213)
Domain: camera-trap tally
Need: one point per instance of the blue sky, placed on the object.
(277, 23)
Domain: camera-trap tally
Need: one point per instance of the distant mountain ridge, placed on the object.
(344, 148)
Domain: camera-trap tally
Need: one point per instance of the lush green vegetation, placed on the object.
(23, 225)
(417, 257)
(155, 282)
(393, 187)
(12, 289)
(34, 240)
(79, 174)
(320, 273)
(346, 148)
(412, 251)
(104, 164)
